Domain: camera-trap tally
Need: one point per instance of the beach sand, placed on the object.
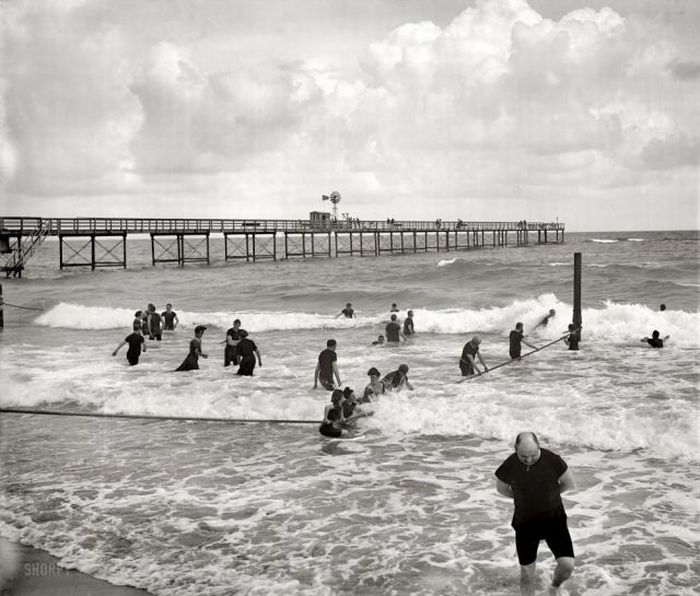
(27, 571)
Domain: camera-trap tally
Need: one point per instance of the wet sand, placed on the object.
(27, 571)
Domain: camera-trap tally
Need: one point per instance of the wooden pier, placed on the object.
(101, 242)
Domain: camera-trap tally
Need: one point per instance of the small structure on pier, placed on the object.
(320, 220)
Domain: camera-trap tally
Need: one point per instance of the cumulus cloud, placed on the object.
(499, 102)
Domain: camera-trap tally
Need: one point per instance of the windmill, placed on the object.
(334, 198)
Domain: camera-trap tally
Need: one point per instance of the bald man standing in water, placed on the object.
(535, 478)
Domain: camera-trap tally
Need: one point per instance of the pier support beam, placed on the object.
(295, 244)
(94, 250)
(236, 246)
(180, 248)
(264, 245)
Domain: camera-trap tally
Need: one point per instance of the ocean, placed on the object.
(406, 506)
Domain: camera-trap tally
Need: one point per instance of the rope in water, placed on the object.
(151, 417)
(551, 343)
(18, 306)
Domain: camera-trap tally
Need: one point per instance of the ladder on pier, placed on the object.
(15, 257)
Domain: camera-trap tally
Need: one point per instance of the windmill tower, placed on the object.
(334, 198)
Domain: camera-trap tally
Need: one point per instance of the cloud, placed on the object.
(67, 112)
(685, 71)
(668, 153)
(499, 102)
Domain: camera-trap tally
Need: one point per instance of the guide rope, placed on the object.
(551, 343)
(151, 416)
(18, 306)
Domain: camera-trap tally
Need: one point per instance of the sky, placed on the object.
(581, 111)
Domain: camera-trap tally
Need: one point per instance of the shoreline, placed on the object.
(29, 571)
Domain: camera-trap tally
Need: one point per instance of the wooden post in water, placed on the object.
(2, 314)
(577, 291)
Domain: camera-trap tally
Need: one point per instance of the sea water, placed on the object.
(407, 506)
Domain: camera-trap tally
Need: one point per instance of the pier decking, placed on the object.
(184, 241)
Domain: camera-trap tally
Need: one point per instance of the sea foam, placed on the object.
(613, 322)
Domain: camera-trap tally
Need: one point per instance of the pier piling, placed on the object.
(577, 320)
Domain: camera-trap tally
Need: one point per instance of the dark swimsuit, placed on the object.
(192, 360)
(327, 429)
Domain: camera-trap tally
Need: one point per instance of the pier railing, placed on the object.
(103, 225)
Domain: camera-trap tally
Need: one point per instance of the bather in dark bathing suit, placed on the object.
(327, 429)
(191, 362)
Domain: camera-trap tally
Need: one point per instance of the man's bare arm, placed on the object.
(504, 489)
(566, 482)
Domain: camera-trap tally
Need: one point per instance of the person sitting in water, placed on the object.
(394, 308)
(348, 312)
(662, 308)
(169, 316)
(467, 365)
(375, 387)
(333, 416)
(136, 344)
(516, 341)
(655, 341)
(408, 324)
(247, 350)
(191, 362)
(544, 322)
(379, 341)
(393, 331)
(350, 410)
(573, 338)
(397, 379)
